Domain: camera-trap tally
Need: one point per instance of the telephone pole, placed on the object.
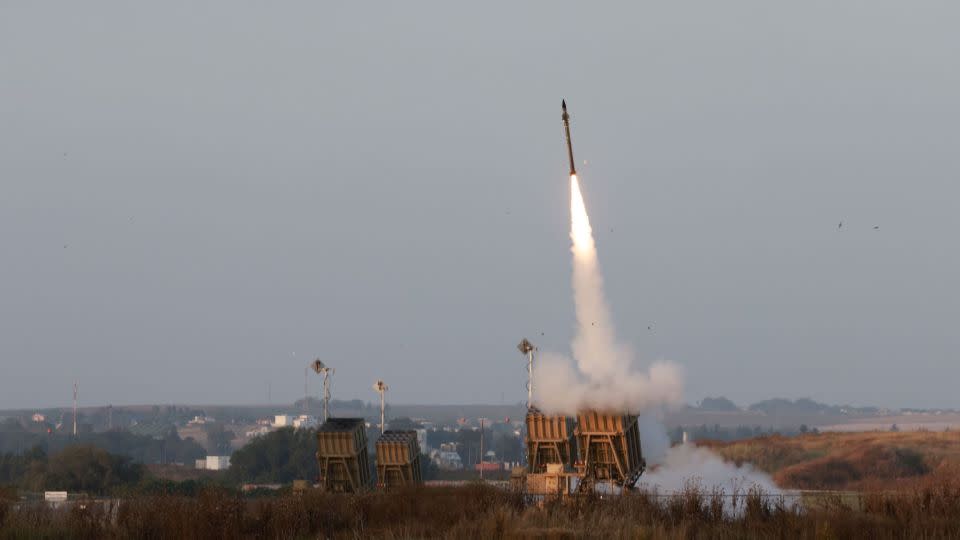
(74, 408)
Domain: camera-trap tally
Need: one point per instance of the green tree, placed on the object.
(281, 456)
(81, 468)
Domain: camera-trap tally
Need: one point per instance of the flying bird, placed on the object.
(876, 227)
(840, 226)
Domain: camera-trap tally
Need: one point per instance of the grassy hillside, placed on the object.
(874, 460)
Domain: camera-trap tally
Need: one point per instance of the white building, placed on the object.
(305, 421)
(422, 441)
(446, 460)
(217, 463)
(55, 496)
(257, 431)
(282, 420)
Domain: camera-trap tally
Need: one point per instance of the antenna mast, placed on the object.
(381, 388)
(527, 349)
(481, 449)
(74, 408)
(326, 371)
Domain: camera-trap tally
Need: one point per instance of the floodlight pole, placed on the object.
(527, 348)
(481, 449)
(381, 388)
(326, 394)
(326, 371)
(74, 408)
(529, 378)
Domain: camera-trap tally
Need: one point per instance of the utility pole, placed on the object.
(326, 371)
(381, 388)
(481, 449)
(527, 348)
(74, 408)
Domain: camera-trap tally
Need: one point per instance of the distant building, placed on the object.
(37, 417)
(55, 496)
(447, 457)
(200, 420)
(217, 463)
(305, 422)
(282, 420)
(422, 440)
(448, 447)
(257, 431)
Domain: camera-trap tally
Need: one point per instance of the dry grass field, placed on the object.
(849, 461)
(483, 512)
(905, 485)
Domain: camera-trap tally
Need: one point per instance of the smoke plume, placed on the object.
(604, 376)
(687, 463)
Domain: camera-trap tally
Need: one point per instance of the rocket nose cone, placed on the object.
(564, 104)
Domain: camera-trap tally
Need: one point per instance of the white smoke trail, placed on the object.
(604, 377)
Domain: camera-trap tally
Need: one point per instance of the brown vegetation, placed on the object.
(848, 460)
(909, 487)
(926, 511)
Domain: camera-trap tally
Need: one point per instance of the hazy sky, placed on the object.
(190, 193)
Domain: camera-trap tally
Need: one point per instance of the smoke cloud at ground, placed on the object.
(685, 465)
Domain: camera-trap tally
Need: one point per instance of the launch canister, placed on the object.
(566, 128)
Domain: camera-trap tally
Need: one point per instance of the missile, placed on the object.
(566, 128)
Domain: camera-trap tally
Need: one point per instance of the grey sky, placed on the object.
(191, 193)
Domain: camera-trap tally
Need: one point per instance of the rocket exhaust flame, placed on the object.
(580, 231)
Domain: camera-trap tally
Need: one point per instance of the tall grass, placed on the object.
(925, 510)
